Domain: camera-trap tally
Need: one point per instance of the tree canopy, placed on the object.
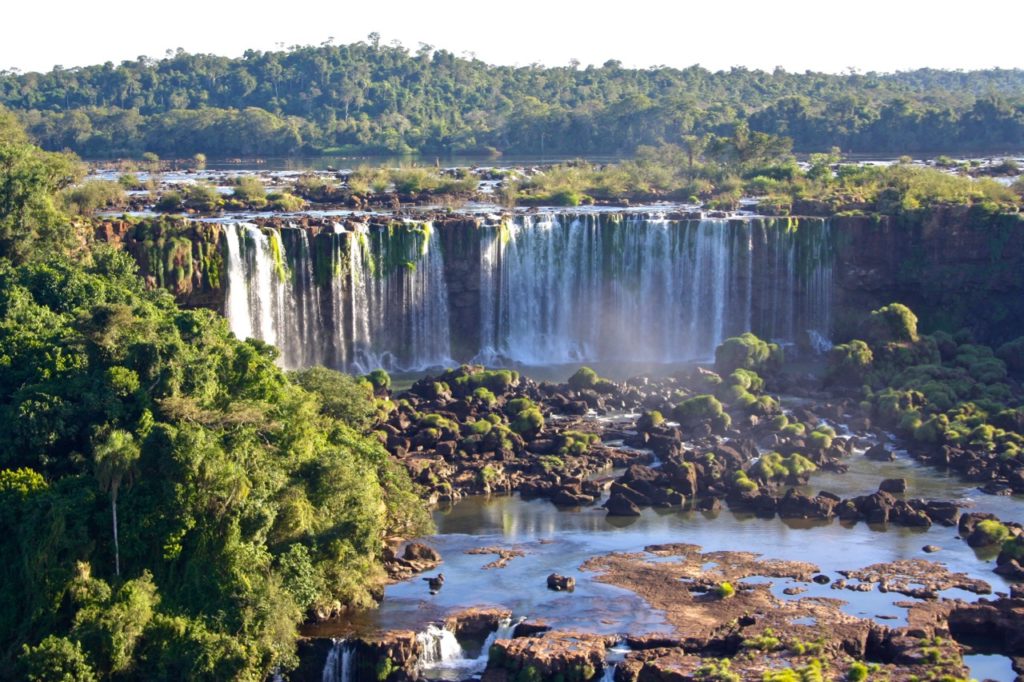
(368, 97)
(241, 502)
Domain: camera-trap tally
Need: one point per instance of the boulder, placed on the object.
(880, 453)
(556, 655)
(620, 505)
(896, 486)
(794, 505)
(561, 583)
(417, 551)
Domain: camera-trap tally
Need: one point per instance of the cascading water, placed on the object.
(570, 288)
(440, 648)
(374, 299)
(444, 658)
(338, 667)
(546, 289)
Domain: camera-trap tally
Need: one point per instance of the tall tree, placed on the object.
(114, 457)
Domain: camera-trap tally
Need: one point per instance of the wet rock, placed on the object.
(896, 486)
(917, 578)
(931, 549)
(1011, 568)
(504, 555)
(682, 475)
(563, 655)
(654, 641)
(794, 505)
(879, 453)
(968, 523)
(530, 628)
(875, 508)
(943, 513)
(908, 514)
(708, 504)
(417, 551)
(821, 579)
(571, 498)
(620, 505)
(475, 623)
(399, 646)
(618, 488)
(561, 583)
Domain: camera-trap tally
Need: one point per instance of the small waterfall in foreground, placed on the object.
(444, 658)
(535, 289)
(440, 648)
(338, 667)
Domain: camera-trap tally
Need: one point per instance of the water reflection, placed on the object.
(559, 541)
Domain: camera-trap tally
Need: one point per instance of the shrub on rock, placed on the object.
(894, 323)
(702, 408)
(849, 363)
(746, 351)
(583, 378)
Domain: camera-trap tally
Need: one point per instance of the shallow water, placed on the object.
(990, 667)
(923, 481)
(560, 540)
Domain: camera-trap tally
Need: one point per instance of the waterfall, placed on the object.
(440, 648)
(506, 629)
(442, 653)
(338, 667)
(376, 298)
(237, 311)
(545, 288)
(564, 288)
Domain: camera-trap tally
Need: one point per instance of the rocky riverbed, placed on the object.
(597, 541)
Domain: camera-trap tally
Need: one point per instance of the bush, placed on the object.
(993, 532)
(725, 590)
(849, 363)
(250, 191)
(742, 483)
(894, 323)
(380, 380)
(202, 197)
(55, 659)
(171, 202)
(285, 202)
(858, 672)
(766, 641)
(649, 420)
(746, 351)
(342, 396)
(94, 195)
(576, 442)
(466, 379)
(524, 416)
(1012, 353)
(583, 378)
(819, 440)
(720, 671)
(773, 466)
(485, 395)
(702, 408)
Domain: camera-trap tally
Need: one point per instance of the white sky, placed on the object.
(822, 35)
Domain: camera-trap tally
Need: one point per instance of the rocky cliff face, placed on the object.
(955, 267)
(184, 257)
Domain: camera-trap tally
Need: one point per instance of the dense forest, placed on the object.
(373, 98)
(173, 504)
